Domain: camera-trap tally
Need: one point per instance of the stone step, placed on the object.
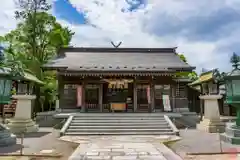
(74, 123)
(114, 118)
(229, 139)
(119, 120)
(119, 115)
(120, 130)
(5, 134)
(119, 124)
(118, 127)
(119, 133)
(8, 141)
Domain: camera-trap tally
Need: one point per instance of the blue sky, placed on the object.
(206, 32)
(66, 11)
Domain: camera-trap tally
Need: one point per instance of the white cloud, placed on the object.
(132, 28)
(8, 22)
(7, 15)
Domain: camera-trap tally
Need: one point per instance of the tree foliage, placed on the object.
(36, 39)
(192, 75)
(235, 59)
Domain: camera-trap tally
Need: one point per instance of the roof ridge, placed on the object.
(109, 49)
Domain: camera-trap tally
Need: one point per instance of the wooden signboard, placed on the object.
(118, 106)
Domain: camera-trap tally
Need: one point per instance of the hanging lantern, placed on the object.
(110, 85)
(118, 84)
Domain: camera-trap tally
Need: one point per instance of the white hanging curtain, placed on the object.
(148, 94)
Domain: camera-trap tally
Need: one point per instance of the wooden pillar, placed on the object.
(60, 91)
(152, 95)
(100, 97)
(83, 108)
(173, 95)
(135, 96)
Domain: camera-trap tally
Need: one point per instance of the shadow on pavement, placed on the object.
(34, 135)
(10, 149)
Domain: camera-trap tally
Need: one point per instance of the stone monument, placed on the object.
(6, 137)
(232, 84)
(22, 121)
(211, 121)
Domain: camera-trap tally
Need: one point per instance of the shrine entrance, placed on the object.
(118, 95)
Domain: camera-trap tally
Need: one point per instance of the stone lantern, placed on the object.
(6, 138)
(22, 121)
(5, 88)
(232, 85)
(209, 83)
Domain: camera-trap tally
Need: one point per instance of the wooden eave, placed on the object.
(115, 73)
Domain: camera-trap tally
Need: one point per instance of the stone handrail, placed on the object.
(174, 128)
(65, 126)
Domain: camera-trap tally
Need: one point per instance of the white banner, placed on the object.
(79, 95)
(166, 103)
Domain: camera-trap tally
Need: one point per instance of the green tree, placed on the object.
(192, 75)
(36, 39)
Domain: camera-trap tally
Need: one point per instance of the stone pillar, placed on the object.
(211, 121)
(22, 121)
(83, 107)
(100, 97)
(57, 105)
(135, 96)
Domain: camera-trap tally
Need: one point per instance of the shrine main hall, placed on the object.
(121, 79)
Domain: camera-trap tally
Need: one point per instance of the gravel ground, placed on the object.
(195, 141)
(45, 140)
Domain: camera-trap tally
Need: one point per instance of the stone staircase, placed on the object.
(119, 124)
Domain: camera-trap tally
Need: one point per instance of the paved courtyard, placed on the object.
(46, 140)
(120, 148)
(124, 147)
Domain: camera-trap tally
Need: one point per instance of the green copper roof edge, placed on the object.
(27, 76)
(30, 77)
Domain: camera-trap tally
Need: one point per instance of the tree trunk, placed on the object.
(38, 104)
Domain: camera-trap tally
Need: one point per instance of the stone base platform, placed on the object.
(6, 138)
(211, 126)
(232, 134)
(18, 126)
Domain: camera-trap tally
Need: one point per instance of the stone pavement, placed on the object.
(120, 148)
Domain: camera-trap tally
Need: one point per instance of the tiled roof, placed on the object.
(119, 59)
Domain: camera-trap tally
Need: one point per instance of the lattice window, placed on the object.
(142, 95)
(91, 93)
(69, 88)
(70, 94)
(181, 90)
